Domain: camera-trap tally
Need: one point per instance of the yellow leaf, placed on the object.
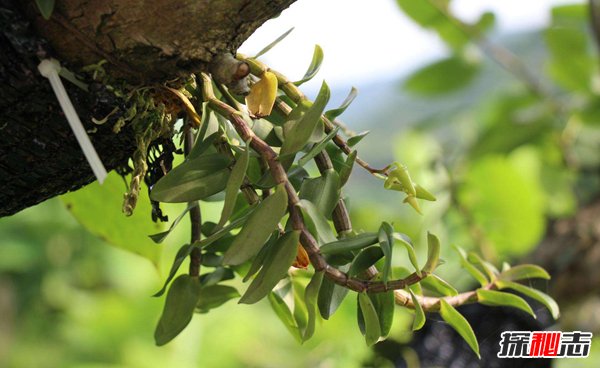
(189, 108)
(262, 95)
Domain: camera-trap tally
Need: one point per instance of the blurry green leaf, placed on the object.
(322, 229)
(498, 298)
(384, 306)
(433, 253)
(203, 146)
(334, 113)
(300, 308)
(46, 7)
(98, 208)
(331, 296)
(214, 296)
(419, 320)
(179, 307)
(370, 318)
(323, 192)
(460, 324)
(302, 130)
(436, 284)
(262, 221)
(441, 77)
(434, 14)
(193, 180)
(471, 269)
(285, 315)
(541, 297)
(317, 148)
(346, 169)
(274, 43)
(314, 66)
(505, 203)
(233, 186)
(310, 298)
(160, 237)
(411, 252)
(365, 259)
(181, 255)
(570, 65)
(524, 271)
(357, 242)
(386, 243)
(275, 267)
(485, 22)
(353, 141)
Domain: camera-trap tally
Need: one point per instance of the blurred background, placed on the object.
(492, 105)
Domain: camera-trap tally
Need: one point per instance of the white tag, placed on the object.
(50, 68)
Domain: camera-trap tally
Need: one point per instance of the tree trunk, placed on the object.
(143, 42)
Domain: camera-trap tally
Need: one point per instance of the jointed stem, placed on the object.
(195, 217)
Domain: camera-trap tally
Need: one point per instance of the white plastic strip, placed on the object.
(50, 68)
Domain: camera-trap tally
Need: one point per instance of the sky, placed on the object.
(369, 40)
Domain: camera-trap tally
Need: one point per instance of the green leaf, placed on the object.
(354, 243)
(346, 169)
(386, 242)
(160, 237)
(314, 66)
(541, 297)
(274, 43)
(370, 318)
(331, 296)
(524, 271)
(443, 76)
(460, 324)
(233, 186)
(275, 267)
(323, 192)
(181, 255)
(214, 296)
(285, 315)
(471, 269)
(46, 7)
(317, 148)
(384, 306)
(310, 298)
(500, 299)
(436, 284)
(489, 269)
(204, 243)
(218, 275)
(99, 209)
(365, 259)
(302, 130)
(334, 113)
(322, 230)
(262, 221)
(419, 320)
(179, 307)
(193, 180)
(353, 141)
(412, 256)
(433, 253)
(257, 262)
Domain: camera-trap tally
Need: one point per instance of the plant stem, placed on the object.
(195, 216)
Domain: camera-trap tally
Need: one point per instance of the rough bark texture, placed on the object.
(143, 41)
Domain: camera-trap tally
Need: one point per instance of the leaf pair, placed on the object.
(375, 313)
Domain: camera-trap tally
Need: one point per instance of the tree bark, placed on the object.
(143, 42)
